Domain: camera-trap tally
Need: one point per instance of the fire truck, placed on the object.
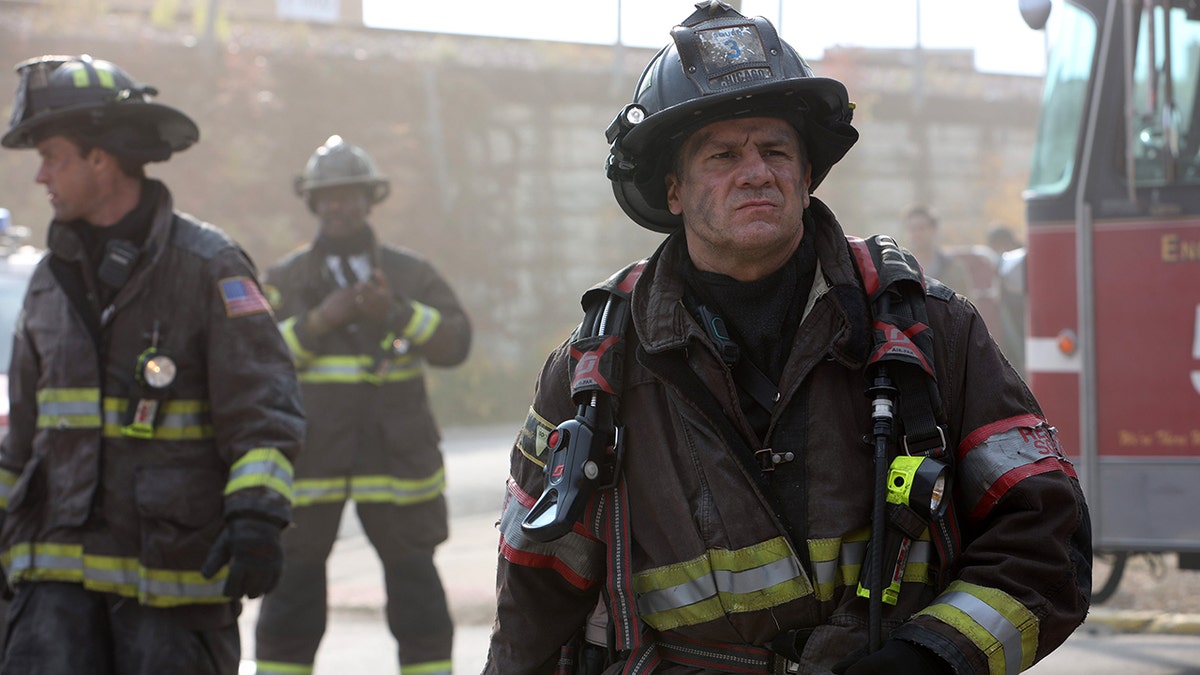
(1112, 266)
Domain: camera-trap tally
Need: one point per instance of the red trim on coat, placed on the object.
(517, 556)
(1006, 482)
(973, 439)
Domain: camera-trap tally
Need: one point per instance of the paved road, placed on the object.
(358, 642)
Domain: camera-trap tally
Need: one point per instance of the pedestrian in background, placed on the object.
(363, 318)
(155, 413)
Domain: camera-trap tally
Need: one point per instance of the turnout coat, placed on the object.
(372, 435)
(93, 494)
(714, 554)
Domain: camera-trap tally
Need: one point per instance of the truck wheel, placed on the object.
(1104, 589)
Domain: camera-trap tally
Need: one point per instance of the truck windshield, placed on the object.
(1068, 73)
(1166, 68)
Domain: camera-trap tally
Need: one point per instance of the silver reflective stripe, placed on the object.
(308, 492)
(68, 408)
(166, 420)
(424, 322)
(720, 581)
(825, 571)
(993, 622)
(581, 557)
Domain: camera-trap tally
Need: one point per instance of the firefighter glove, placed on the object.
(895, 657)
(337, 309)
(374, 298)
(254, 554)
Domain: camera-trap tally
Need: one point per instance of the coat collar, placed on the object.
(663, 323)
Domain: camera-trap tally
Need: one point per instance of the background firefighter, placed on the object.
(735, 539)
(363, 318)
(155, 410)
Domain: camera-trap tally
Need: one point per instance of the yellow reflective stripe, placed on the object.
(854, 550)
(360, 369)
(1002, 628)
(68, 408)
(718, 582)
(281, 668)
(7, 480)
(392, 490)
(335, 369)
(261, 467)
(424, 322)
(534, 436)
(106, 78)
(317, 491)
(178, 420)
(920, 553)
(287, 328)
(80, 77)
(401, 368)
(124, 576)
(824, 556)
(427, 668)
(68, 395)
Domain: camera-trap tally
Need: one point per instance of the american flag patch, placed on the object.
(242, 297)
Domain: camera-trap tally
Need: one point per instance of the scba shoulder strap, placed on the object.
(902, 341)
(585, 452)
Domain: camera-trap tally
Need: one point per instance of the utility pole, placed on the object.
(920, 122)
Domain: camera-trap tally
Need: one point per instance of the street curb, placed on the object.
(1143, 621)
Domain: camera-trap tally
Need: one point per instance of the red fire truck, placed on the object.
(1113, 266)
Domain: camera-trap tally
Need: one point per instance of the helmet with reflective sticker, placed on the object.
(720, 65)
(99, 102)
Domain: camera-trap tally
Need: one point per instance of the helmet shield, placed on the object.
(98, 101)
(338, 163)
(720, 65)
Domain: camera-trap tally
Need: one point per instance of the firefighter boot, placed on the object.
(418, 616)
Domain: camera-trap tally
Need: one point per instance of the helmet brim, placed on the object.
(813, 105)
(174, 128)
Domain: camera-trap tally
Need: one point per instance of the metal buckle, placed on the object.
(941, 442)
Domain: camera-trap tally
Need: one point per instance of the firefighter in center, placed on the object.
(363, 319)
(734, 537)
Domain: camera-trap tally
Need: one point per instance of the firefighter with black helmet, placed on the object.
(155, 413)
(735, 520)
(363, 320)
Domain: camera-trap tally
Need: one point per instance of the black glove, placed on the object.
(255, 556)
(895, 657)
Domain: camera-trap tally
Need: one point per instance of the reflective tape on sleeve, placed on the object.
(989, 469)
(300, 355)
(579, 559)
(425, 320)
(1002, 628)
(261, 468)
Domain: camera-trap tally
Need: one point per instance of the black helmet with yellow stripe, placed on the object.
(96, 101)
